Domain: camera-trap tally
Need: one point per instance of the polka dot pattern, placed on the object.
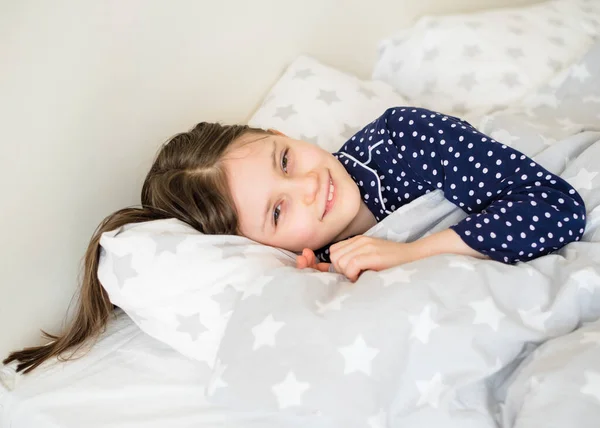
(518, 210)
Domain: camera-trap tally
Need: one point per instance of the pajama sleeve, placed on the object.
(518, 209)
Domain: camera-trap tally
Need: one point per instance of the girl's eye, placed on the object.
(284, 161)
(276, 214)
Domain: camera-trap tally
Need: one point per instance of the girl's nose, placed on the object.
(309, 187)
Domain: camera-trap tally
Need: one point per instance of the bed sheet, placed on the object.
(127, 380)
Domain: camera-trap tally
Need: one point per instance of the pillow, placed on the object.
(322, 105)
(471, 64)
(179, 285)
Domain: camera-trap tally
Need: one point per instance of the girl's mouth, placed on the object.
(330, 197)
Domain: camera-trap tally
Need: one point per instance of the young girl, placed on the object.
(294, 195)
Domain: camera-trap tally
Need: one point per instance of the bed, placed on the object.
(128, 379)
(443, 342)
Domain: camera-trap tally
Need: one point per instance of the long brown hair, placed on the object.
(187, 181)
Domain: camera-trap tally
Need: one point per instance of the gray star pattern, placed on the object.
(496, 107)
(191, 325)
(467, 81)
(474, 25)
(430, 54)
(396, 65)
(515, 52)
(516, 30)
(285, 112)
(510, 79)
(349, 131)
(397, 41)
(122, 268)
(459, 108)
(554, 64)
(367, 92)
(400, 94)
(595, 23)
(231, 250)
(224, 298)
(433, 24)
(303, 74)
(168, 242)
(328, 97)
(472, 51)
(556, 22)
(429, 87)
(313, 140)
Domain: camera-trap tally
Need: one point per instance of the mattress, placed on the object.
(127, 380)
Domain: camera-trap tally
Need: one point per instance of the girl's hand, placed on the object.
(361, 253)
(308, 260)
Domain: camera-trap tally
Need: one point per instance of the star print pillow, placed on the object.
(180, 286)
(472, 64)
(322, 105)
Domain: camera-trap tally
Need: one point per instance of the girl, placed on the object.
(294, 195)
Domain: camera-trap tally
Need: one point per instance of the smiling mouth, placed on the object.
(330, 198)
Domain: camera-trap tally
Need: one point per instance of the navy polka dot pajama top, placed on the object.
(518, 210)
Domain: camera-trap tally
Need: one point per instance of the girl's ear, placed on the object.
(275, 131)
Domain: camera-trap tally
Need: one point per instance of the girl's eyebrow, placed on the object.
(268, 207)
(273, 156)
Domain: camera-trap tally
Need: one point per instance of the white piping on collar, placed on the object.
(373, 171)
(372, 148)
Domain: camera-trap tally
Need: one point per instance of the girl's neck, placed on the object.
(363, 221)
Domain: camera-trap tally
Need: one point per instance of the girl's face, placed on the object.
(289, 193)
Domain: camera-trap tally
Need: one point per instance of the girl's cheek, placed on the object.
(304, 232)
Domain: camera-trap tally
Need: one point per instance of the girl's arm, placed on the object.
(352, 256)
(519, 210)
(444, 242)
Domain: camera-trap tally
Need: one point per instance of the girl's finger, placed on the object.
(341, 244)
(357, 265)
(323, 267)
(301, 262)
(337, 257)
(311, 259)
(349, 255)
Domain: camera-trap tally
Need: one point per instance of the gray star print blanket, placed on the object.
(447, 341)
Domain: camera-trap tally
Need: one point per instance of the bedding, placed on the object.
(179, 285)
(470, 64)
(431, 343)
(127, 380)
(319, 104)
(557, 385)
(434, 342)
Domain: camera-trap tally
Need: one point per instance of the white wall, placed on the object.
(90, 88)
